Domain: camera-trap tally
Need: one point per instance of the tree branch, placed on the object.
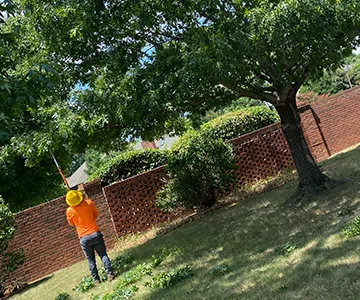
(270, 89)
(271, 98)
(163, 34)
(198, 100)
(223, 10)
(146, 54)
(298, 83)
(151, 41)
(208, 17)
(265, 77)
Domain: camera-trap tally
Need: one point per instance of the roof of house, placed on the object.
(161, 144)
(79, 176)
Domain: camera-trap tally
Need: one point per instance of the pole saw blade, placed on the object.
(60, 171)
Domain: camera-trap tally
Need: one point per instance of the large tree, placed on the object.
(30, 83)
(161, 59)
(38, 114)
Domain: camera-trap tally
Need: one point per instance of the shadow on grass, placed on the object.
(244, 236)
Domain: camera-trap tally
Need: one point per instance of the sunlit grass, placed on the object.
(243, 237)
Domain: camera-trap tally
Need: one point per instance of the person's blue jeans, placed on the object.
(89, 244)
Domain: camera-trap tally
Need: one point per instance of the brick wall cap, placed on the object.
(89, 184)
(134, 177)
(40, 205)
(254, 133)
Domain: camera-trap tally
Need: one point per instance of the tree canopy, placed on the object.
(150, 63)
(196, 51)
(30, 83)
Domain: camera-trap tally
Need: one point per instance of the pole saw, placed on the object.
(61, 173)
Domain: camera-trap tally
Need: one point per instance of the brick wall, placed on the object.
(332, 124)
(49, 243)
(132, 202)
(261, 153)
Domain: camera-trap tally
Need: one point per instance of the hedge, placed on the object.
(234, 124)
(130, 163)
(199, 169)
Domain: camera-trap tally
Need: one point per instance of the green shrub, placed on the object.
(234, 124)
(102, 274)
(121, 263)
(85, 284)
(9, 261)
(120, 293)
(96, 159)
(220, 270)
(199, 168)
(62, 296)
(135, 274)
(235, 105)
(285, 249)
(156, 261)
(130, 163)
(125, 288)
(171, 278)
(167, 252)
(352, 229)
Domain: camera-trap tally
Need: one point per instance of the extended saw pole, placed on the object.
(61, 173)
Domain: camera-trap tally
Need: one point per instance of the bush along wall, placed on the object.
(130, 163)
(200, 164)
(9, 261)
(234, 124)
(199, 168)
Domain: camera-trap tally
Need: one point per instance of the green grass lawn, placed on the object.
(255, 249)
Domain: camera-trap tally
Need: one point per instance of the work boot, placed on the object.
(111, 277)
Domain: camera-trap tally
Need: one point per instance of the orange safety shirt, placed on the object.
(83, 217)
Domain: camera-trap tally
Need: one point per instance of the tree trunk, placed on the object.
(210, 198)
(311, 179)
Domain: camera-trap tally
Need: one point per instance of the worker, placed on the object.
(82, 214)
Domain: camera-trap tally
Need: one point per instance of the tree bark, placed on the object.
(311, 179)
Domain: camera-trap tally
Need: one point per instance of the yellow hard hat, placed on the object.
(73, 197)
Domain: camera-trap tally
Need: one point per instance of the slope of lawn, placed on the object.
(255, 249)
